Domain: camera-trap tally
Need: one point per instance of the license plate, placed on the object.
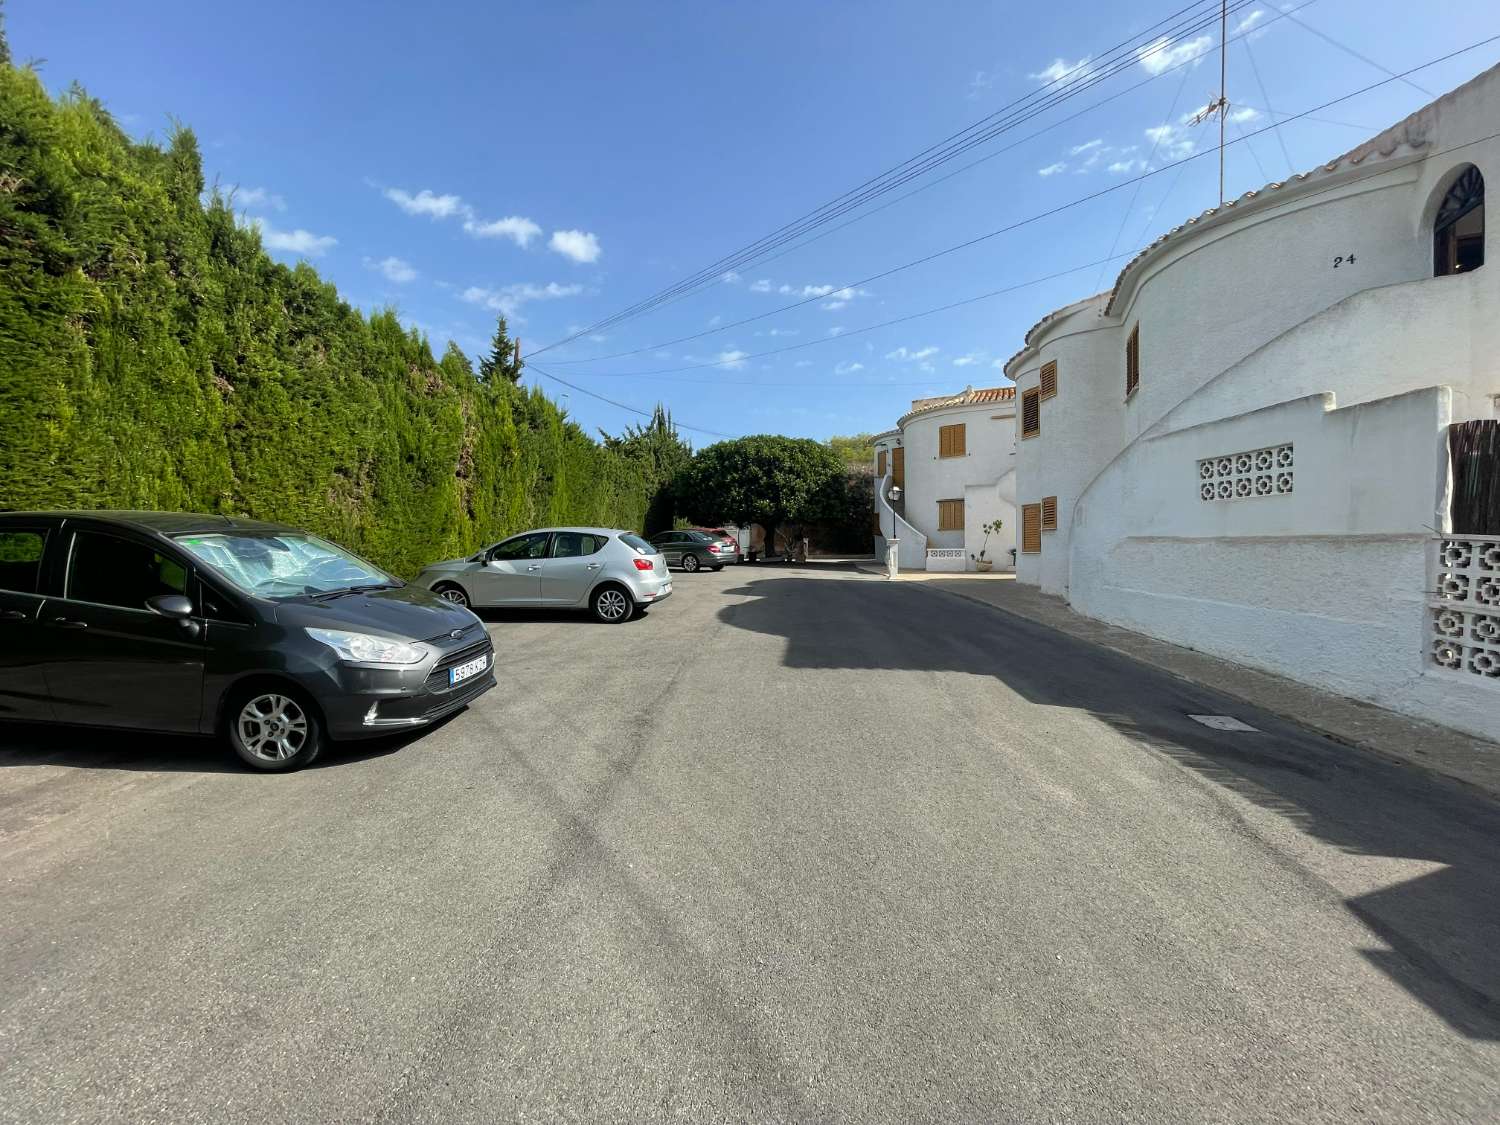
(472, 668)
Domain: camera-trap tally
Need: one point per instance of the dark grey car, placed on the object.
(268, 635)
(692, 550)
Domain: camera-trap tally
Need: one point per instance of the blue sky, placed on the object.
(562, 160)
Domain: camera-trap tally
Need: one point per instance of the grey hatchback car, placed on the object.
(610, 572)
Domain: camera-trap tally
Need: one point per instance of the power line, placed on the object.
(1067, 85)
(1291, 169)
(625, 406)
(1362, 58)
(1244, 138)
(1185, 63)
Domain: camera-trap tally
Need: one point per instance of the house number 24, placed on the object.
(1343, 260)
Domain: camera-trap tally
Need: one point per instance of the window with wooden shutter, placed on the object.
(950, 515)
(880, 464)
(1133, 361)
(1031, 528)
(953, 440)
(1049, 513)
(1031, 413)
(898, 467)
(1048, 384)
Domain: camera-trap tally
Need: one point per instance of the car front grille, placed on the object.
(437, 679)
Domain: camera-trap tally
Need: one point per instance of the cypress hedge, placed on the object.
(153, 356)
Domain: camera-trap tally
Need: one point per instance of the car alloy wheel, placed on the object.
(690, 563)
(612, 605)
(273, 727)
(453, 594)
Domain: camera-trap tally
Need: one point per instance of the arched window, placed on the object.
(1458, 230)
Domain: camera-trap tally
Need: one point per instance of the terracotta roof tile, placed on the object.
(969, 396)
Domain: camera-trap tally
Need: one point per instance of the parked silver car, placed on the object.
(612, 573)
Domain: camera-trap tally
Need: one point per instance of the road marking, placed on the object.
(1221, 722)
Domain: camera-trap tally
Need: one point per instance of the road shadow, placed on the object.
(95, 748)
(1443, 928)
(491, 615)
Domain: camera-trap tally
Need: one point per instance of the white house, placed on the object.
(953, 460)
(1243, 446)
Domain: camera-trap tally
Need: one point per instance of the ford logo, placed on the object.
(456, 634)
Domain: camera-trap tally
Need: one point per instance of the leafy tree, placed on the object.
(153, 356)
(661, 454)
(501, 361)
(857, 450)
(764, 479)
(4, 43)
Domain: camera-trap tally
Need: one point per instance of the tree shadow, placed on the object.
(1443, 928)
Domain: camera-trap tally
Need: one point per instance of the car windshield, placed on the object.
(286, 565)
(637, 544)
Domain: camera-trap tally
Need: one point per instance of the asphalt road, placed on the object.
(791, 847)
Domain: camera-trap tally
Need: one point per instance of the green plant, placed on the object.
(991, 528)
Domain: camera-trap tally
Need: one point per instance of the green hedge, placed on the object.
(153, 356)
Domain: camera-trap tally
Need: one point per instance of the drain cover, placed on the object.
(1221, 722)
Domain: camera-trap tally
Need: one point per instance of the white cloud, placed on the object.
(510, 298)
(717, 318)
(258, 198)
(1052, 169)
(1086, 146)
(428, 203)
(1060, 70)
(803, 363)
(979, 84)
(731, 360)
(1249, 21)
(514, 227)
(1166, 53)
(784, 332)
(393, 269)
(848, 368)
(836, 330)
(730, 278)
(762, 286)
(297, 241)
(907, 355)
(969, 360)
(1125, 167)
(576, 244)
(842, 297)
(1241, 115)
(1171, 142)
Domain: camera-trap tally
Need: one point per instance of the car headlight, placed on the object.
(365, 649)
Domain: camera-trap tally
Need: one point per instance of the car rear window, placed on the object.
(21, 560)
(637, 544)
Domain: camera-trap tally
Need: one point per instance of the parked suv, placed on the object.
(270, 636)
(610, 572)
(693, 550)
(732, 552)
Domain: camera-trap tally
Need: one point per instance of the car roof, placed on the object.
(161, 523)
(578, 530)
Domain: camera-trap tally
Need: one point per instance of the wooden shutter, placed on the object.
(952, 440)
(898, 466)
(950, 515)
(1048, 385)
(1049, 513)
(880, 464)
(1133, 361)
(1031, 528)
(1031, 413)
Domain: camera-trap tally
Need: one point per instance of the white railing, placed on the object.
(1464, 607)
(912, 552)
(946, 559)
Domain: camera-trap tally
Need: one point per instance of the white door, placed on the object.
(512, 572)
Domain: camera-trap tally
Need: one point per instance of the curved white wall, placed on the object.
(990, 442)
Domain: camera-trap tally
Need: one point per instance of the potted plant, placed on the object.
(981, 563)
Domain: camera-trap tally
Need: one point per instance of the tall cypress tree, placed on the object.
(501, 362)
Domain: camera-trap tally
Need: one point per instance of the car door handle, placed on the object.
(535, 566)
(592, 566)
(12, 615)
(68, 623)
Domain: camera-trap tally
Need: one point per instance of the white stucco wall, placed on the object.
(990, 441)
(984, 503)
(1326, 585)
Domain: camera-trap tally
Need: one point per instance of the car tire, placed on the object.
(452, 592)
(690, 563)
(274, 728)
(612, 605)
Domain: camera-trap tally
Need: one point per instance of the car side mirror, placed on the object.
(179, 606)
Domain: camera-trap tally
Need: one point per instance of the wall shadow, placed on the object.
(1443, 928)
